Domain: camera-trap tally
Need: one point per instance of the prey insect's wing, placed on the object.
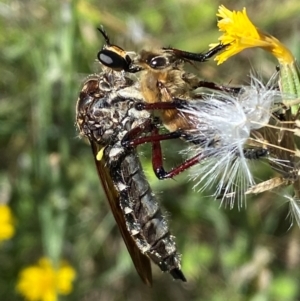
(140, 261)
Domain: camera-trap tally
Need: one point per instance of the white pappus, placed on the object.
(222, 127)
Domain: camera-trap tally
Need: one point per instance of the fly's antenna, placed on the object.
(104, 34)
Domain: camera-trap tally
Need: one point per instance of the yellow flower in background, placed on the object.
(42, 282)
(7, 229)
(240, 34)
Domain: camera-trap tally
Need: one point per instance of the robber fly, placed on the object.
(105, 112)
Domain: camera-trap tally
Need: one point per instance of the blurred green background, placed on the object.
(48, 178)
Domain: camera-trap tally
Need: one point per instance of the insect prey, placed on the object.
(105, 112)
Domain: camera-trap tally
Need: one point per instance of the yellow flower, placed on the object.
(6, 223)
(240, 34)
(44, 282)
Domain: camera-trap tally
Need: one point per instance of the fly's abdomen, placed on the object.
(144, 219)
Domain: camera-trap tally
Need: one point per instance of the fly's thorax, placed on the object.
(148, 84)
(176, 82)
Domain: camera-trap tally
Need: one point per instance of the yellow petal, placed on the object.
(7, 229)
(65, 278)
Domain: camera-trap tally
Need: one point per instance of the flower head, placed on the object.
(44, 282)
(240, 33)
(7, 229)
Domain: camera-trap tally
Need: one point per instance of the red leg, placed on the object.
(213, 86)
(162, 174)
(132, 135)
(151, 139)
(157, 161)
(176, 103)
(132, 138)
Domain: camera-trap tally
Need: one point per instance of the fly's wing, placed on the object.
(140, 261)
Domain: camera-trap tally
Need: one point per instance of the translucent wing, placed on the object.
(140, 261)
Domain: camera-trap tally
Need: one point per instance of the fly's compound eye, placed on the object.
(159, 62)
(113, 60)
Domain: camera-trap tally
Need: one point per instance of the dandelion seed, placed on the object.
(294, 206)
(223, 124)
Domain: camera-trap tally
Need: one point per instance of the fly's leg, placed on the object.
(197, 57)
(155, 138)
(157, 161)
(133, 139)
(202, 57)
(176, 103)
(214, 86)
(195, 83)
